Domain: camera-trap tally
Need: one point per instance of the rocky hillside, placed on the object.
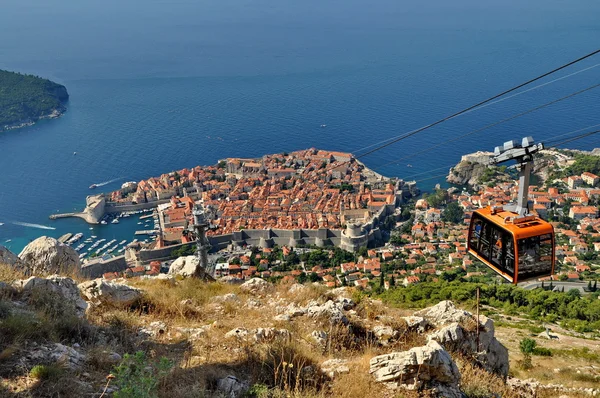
(474, 169)
(63, 338)
(175, 336)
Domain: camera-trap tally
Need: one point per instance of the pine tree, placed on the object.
(595, 287)
(392, 281)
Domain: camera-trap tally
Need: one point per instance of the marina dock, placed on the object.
(146, 232)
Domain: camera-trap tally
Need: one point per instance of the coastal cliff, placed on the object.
(25, 99)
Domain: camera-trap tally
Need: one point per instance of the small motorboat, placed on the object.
(93, 186)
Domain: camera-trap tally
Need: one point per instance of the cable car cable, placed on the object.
(495, 124)
(494, 102)
(577, 138)
(413, 132)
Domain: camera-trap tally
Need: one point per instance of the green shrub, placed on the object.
(137, 377)
(45, 372)
(542, 352)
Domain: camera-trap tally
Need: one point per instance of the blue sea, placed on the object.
(162, 85)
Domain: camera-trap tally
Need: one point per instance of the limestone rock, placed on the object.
(417, 323)
(226, 298)
(46, 255)
(282, 318)
(329, 310)
(319, 336)
(443, 313)
(428, 366)
(490, 353)
(9, 258)
(154, 329)
(333, 367)
(53, 354)
(232, 387)
(60, 285)
(101, 292)
(297, 288)
(255, 285)
(293, 310)
(262, 335)
(384, 333)
(239, 333)
(184, 266)
(233, 280)
(194, 333)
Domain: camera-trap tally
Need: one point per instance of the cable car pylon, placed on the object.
(509, 239)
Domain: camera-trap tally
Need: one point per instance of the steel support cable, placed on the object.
(469, 108)
(495, 124)
(510, 90)
(576, 138)
(492, 103)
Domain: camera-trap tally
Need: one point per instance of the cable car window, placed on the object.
(476, 233)
(535, 256)
(484, 241)
(502, 247)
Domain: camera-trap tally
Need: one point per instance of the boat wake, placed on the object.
(101, 184)
(26, 224)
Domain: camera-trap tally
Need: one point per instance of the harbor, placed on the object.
(103, 241)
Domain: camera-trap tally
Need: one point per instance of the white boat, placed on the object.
(140, 223)
(103, 222)
(8, 240)
(93, 236)
(115, 221)
(1, 224)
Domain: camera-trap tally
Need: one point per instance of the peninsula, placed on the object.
(24, 99)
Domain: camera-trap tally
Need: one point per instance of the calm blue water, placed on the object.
(161, 85)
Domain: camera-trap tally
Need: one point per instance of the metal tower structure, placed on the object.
(202, 245)
(523, 155)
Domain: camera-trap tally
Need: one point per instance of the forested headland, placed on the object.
(24, 99)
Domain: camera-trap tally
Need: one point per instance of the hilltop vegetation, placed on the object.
(27, 98)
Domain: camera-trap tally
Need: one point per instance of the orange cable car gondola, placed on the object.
(513, 243)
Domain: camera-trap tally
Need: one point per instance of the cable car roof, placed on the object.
(523, 227)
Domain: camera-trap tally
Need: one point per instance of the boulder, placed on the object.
(232, 387)
(63, 286)
(154, 329)
(282, 318)
(185, 266)
(9, 258)
(297, 288)
(262, 335)
(330, 310)
(47, 256)
(255, 285)
(443, 313)
(491, 354)
(232, 280)
(226, 298)
(101, 292)
(238, 333)
(429, 366)
(319, 336)
(384, 333)
(292, 310)
(52, 354)
(333, 367)
(417, 323)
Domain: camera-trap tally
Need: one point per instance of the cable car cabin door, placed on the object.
(516, 255)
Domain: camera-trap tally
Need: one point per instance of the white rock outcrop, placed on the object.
(335, 366)
(101, 292)
(46, 256)
(330, 310)
(53, 354)
(443, 313)
(428, 366)
(63, 286)
(490, 353)
(255, 285)
(185, 266)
